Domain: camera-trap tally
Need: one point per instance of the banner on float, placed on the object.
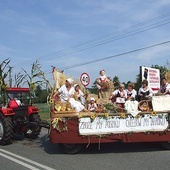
(118, 125)
(161, 103)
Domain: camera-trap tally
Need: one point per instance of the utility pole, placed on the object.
(10, 77)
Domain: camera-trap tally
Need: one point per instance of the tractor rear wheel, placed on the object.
(33, 129)
(6, 129)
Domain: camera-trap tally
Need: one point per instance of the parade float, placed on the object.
(146, 121)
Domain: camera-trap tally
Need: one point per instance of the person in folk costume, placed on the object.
(165, 87)
(145, 92)
(131, 92)
(103, 85)
(66, 93)
(92, 106)
(119, 96)
(79, 94)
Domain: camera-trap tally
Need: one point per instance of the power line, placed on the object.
(114, 56)
(141, 27)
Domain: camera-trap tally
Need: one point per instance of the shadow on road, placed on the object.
(100, 148)
(117, 147)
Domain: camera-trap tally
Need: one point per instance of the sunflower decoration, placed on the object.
(137, 116)
(92, 117)
(123, 115)
(106, 115)
(153, 113)
(59, 124)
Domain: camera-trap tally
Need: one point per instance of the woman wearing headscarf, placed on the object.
(66, 93)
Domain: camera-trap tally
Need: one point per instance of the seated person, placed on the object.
(165, 87)
(66, 94)
(119, 96)
(131, 92)
(92, 106)
(145, 92)
(79, 94)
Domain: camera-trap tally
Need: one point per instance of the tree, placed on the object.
(116, 81)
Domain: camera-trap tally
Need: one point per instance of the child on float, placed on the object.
(79, 94)
(92, 106)
(119, 96)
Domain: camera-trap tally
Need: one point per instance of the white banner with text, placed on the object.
(116, 124)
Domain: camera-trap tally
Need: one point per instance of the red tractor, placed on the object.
(18, 115)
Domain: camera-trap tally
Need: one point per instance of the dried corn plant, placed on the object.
(4, 71)
(36, 77)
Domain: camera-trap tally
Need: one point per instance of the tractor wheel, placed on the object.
(6, 130)
(33, 129)
(70, 148)
(166, 145)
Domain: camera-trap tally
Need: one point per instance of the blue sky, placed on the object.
(67, 32)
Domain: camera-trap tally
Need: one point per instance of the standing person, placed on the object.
(119, 96)
(145, 92)
(92, 106)
(165, 87)
(131, 92)
(66, 93)
(79, 94)
(103, 85)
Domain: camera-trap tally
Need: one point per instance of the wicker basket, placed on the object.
(145, 105)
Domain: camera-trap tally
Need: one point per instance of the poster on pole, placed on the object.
(152, 75)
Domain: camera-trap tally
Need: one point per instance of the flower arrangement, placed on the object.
(59, 124)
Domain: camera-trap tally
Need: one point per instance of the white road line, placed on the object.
(19, 162)
(25, 159)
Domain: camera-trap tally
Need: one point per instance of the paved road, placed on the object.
(25, 154)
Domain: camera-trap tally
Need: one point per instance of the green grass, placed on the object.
(44, 111)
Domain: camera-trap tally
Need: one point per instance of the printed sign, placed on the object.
(152, 75)
(116, 125)
(85, 79)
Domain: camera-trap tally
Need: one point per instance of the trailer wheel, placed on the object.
(166, 145)
(33, 130)
(70, 148)
(6, 130)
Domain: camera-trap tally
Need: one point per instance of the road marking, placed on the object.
(19, 162)
(24, 159)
